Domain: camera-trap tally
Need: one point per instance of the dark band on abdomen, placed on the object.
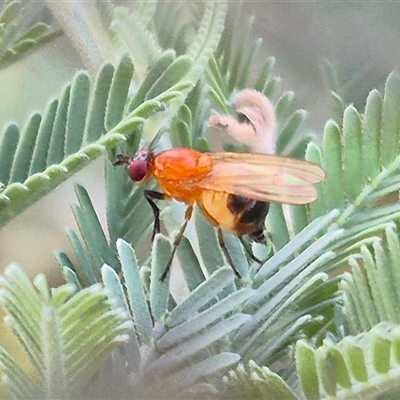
(249, 215)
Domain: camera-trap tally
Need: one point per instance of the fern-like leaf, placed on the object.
(23, 189)
(169, 337)
(366, 365)
(20, 32)
(84, 24)
(65, 134)
(252, 381)
(371, 291)
(64, 335)
(356, 183)
(141, 42)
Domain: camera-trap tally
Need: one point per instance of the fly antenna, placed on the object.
(122, 159)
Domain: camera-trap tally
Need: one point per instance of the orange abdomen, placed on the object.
(235, 214)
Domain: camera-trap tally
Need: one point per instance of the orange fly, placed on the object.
(233, 190)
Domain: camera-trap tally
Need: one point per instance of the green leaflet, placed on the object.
(283, 103)
(77, 112)
(170, 76)
(40, 150)
(307, 367)
(390, 120)
(118, 94)
(351, 156)
(135, 291)
(95, 126)
(371, 135)
(332, 164)
(154, 72)
(23, 153)
(288, 131)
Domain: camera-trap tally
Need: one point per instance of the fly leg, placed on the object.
(177, 241)
(226, 252)
(150, 196)
(249, 251)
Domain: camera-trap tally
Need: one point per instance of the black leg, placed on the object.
(177, 241)
(248, 250)
(226, 252)
(150, 196)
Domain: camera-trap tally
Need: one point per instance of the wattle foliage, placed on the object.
(297, 326)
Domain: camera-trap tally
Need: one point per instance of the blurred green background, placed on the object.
(359, 39)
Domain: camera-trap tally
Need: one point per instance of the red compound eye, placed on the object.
(137, 170)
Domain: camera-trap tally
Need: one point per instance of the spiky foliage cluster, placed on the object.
(283, 331)
(22, 29)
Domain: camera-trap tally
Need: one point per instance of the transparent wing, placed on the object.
(266, 178)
